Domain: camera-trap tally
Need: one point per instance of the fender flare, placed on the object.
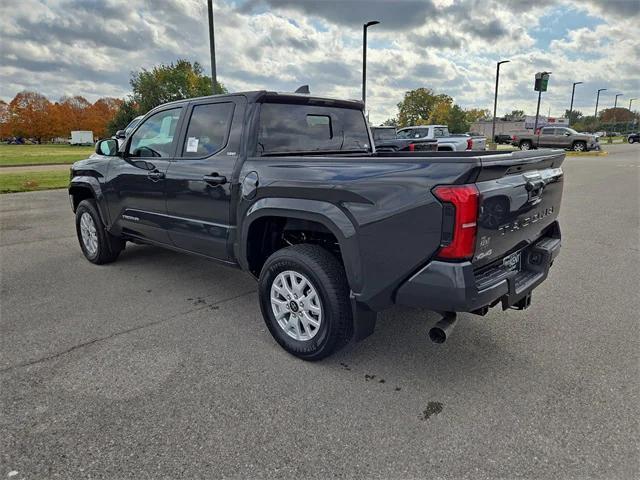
(324, 213)
(86, 182)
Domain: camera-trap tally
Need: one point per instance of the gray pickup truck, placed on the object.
(556, 137)
(291, 189)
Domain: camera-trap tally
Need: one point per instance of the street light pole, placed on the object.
(364, 59)
(212, 47)
(615, 105)
(573, 91)
(495, 100)
(595, 115)
(631, 113)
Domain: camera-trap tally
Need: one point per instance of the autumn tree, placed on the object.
(30, 116)
(419, 105)
(618, 114)
(5, 130)
(100, 115)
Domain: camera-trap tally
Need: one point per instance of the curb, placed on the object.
(603, 153)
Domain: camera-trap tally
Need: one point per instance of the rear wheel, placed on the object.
(304, 298)
(526, 145)
(98, 245)
(579, 146)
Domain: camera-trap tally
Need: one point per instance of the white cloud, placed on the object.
(72, 47)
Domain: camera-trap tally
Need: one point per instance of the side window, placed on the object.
(208, 129)
(547, 131)
(154, 138)
(405, 133)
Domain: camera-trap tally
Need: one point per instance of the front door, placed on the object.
(136, 187)
(200, 178)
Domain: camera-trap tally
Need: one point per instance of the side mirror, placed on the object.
(567, 134)
(120, 134)
(107, 147)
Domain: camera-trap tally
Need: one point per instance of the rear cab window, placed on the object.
(547, 131)
(289, 128)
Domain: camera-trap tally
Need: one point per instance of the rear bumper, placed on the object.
(456, 287)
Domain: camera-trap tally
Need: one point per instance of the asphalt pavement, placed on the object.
(160, 365)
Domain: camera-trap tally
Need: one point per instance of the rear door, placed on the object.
(199, 181)
(548, 137)
(519, 198)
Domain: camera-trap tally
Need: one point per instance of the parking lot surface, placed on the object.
(160, 365)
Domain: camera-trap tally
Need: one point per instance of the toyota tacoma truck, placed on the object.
(291, 189)
(556, 137)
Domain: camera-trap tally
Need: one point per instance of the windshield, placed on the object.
(287, 128)
(132, 125)
(571, 131)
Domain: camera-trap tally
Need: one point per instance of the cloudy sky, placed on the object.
(89, 48)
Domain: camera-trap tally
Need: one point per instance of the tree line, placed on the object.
(422, 106)
(32, 115)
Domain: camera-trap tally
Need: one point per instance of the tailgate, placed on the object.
(520, 196)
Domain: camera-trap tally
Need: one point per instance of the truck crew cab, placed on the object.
(290, 188)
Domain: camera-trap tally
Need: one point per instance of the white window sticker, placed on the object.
(192, 144)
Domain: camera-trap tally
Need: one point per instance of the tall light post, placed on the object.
(212, 47)
(631, 120)
(364, 59)
(631, 100)
(573, 91)
(615, 105)
(495, 100)
(595, 115)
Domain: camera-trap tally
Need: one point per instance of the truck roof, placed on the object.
(260, 96)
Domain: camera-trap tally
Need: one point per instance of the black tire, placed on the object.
(526, 145)
(579, 146)
(108, 246)
(328, 278)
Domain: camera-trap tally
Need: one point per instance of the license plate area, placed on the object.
(513, 262)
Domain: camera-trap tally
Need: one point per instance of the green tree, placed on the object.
(458, 122)
(575, 116)
(127, 111)
(390, 122)
(166, 83)
(419, 105)
(515, 115)
(474, 114)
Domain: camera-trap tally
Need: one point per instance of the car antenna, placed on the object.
(303, 89)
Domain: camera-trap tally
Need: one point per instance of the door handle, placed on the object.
(155, 176)
(215, 179)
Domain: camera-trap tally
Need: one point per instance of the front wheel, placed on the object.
(579, 147)
(98, 245)
(526, 145)
(304, 298)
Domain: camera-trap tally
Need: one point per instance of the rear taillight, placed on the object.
(514, 138)
(412, 147)
(469, 143)
(459, 239)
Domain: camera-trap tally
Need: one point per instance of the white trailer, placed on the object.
(81, 137)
